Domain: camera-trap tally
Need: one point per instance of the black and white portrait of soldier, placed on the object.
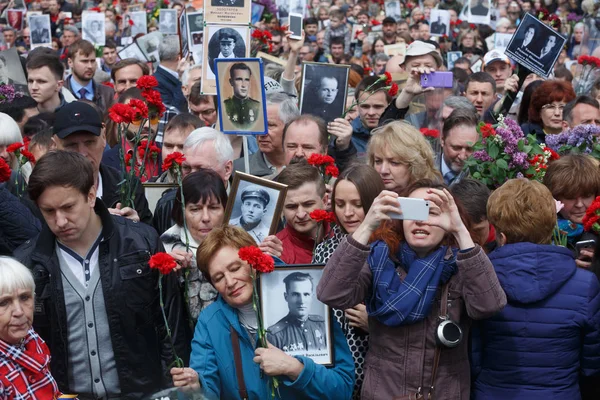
(547, 53)
(254, 206)
(40, 29)
(324, 93)
(168, 22)
(139, 23)
(479, 8)
(224, 43)
(440, 21)
(196, 25)
(93, 28)
(11, 71)
(392, 9)
(300, 330)
(227, 3)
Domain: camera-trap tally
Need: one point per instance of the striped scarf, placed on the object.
(396, 302)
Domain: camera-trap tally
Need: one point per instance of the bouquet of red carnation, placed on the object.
(325, 164)
(22, 157)
(4, 171)
(592, 217)
(165, 264)
(260, 263)
(586, 74)
(261, 41)
(433, 137)
(135, 114)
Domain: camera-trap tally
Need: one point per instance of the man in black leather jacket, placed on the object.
(97, 300)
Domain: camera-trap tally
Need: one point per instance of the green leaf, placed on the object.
(493, 150)
(502, 164)
(521, 145)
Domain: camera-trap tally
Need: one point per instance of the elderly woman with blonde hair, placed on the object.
(401, 156)
(24, 356)
(548, 335)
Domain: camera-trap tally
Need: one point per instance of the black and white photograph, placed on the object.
(296, 321)
(227, 3)
(93, 27)
(40, 30)
(479, 11)
(184, 43)
(392, 9)
(501, 40)
(225, 42)
(227, 11)
(196, 28)
(255, 205)
(329, 82)
(241, 96)
(149, 45)
(132, 51)
(140, 24)
(452, 57)
(439, 23)
(535, 46)
(11, 70)
(168, 21)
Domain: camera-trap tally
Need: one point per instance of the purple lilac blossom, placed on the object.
(482, 155)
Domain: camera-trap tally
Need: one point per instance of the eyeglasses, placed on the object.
(553, 107)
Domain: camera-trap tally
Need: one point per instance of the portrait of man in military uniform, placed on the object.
(329, 84)
(299, 331)
(254, 207)
(240, 109)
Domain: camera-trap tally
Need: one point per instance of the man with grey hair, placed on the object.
(204, 148)
(452, 103)
(269, 160)
(169, 85)
(190, 76)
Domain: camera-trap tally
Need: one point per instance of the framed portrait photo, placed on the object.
(149, 44)
(195, 29)
(257, 12)
(296, 321)
(140, 24)
(15, 19)
(222, 41)
(228, 11)
(241, 96)
(40, 30)
(11, 70)
(255, 205)
(535, 46)
(168, 21)
(392, 9)
(439, 23)
(184, 42)
(154, 191)
(132, 51)
(479, 11)
(93, 29)
(452, 57)
(324, 90)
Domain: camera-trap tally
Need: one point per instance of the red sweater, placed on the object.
(297, 247)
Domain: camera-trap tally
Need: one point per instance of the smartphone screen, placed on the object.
(296, 25)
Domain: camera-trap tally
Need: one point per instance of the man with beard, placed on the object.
(325, 105)
(82, 61)
(459, 135)
(254, 208)
(241, 110)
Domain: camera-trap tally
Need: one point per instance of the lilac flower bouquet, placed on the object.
(8, 93)
(505, 153)
(581, 139)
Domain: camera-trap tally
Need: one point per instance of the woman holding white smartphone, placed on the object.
(418, 342)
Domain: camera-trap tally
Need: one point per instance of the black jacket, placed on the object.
(17, 222)
(163, 218)
(170, 91)
(141, 347)
(111, 178)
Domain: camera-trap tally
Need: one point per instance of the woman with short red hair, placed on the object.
(546, 109)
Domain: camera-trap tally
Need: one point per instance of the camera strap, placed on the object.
(438, 349)
(237, 357)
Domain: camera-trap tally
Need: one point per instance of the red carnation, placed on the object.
(367, 70)
(393, 89)
(109, 84)
(121, 113)
(11, 148)
(163, 262)
(97, 9)
(139, 109)
(358, 32)
(173, 160)
(374, 22)
(322, 216)
(459, 22)
(127, 159)
(318, 160)
(487, 130)
(257, 34)
(332, 171)
(27, 154)
(257, 259)
(473, 26)
(4, 171)
(432, 133)
(553, 155)
(387, 77)
(146, 82)
(130, 22)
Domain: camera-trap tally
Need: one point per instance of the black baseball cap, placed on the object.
(77, 117)
(388, 20)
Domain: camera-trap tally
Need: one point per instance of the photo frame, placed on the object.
(256, 192)
(330, 84)
(440, 23)
(393, 9)
(40, 30)
(257, 12)
(11, 70)
(184, 43)
(140, 24)
(154, 191)
(93, 27)
(355, 29)
(236, 44)
(501, 40)
(398, 49)
(268, 59)
(167, 22)
(452, 56)
(15, 19)
(280, 292)
(227, 11)
(479, 11)
(535, 46)
(132, 51)
(149, 45)
(241, 96)
(195, 25)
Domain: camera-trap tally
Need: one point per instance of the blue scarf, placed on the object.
(573, 230)
(396, 302)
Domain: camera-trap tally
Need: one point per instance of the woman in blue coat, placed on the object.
(548, 335)
(212, 362)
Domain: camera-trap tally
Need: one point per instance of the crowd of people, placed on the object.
(483, 299)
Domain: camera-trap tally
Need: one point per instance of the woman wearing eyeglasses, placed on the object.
(546, 109)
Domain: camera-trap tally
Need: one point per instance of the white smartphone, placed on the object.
(296, 25)
(412, 209)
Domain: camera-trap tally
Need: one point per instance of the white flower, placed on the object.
(559, 205)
